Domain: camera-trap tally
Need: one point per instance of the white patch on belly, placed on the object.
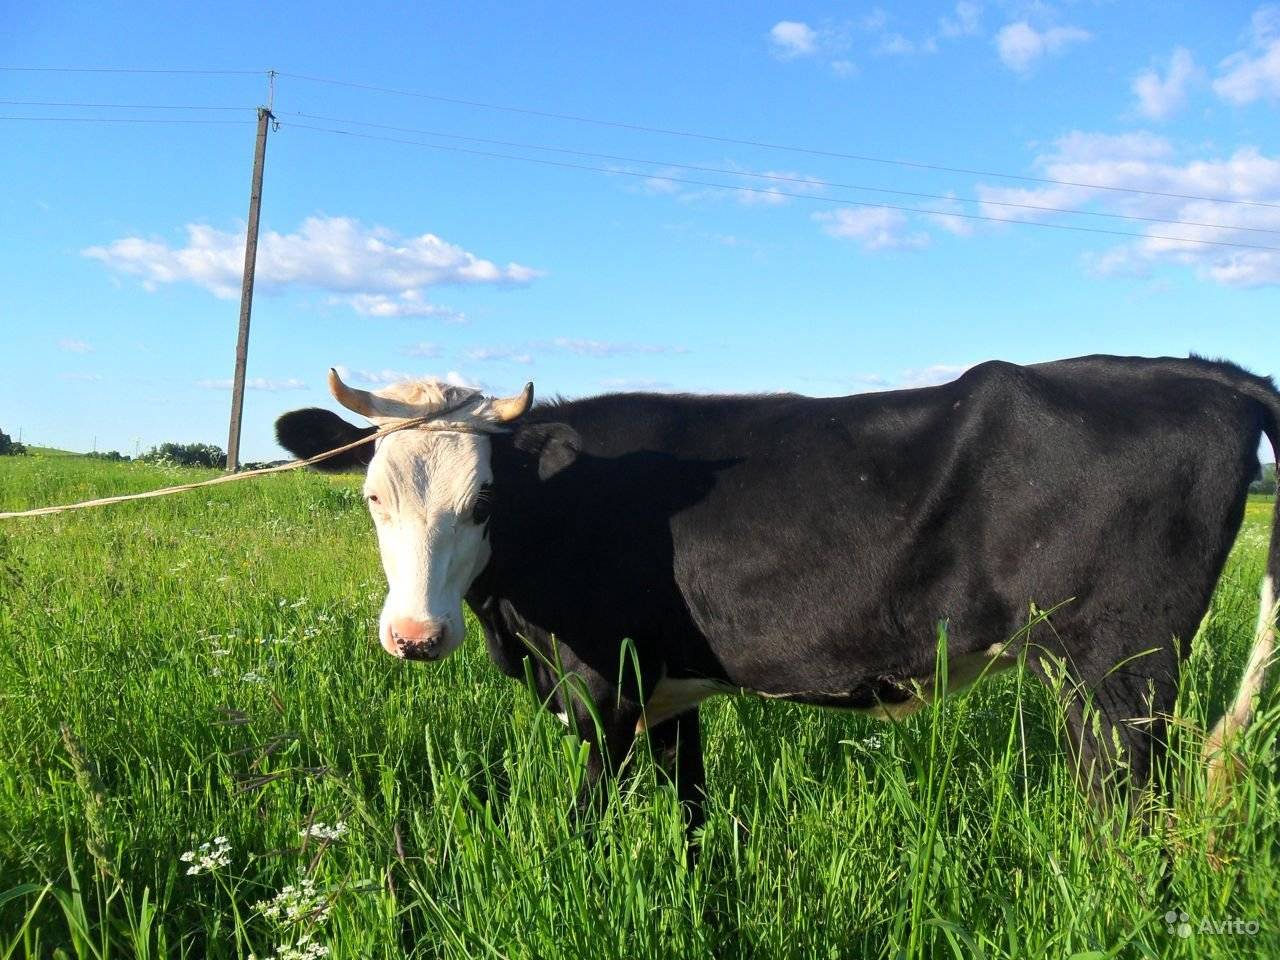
(962, 672)
(563, 716)
(673, 696)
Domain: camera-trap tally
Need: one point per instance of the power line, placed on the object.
(781, 193)
(203, 73)
(783, 178)
(763, 144)
(123, 120)
(116, 106)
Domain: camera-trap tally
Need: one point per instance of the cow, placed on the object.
(662, 549)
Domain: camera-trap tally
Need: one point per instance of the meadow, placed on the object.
(204, 753)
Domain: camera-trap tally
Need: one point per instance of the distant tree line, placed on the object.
(187, 455)
(1266, 482)
(10, 447)
(177, 454)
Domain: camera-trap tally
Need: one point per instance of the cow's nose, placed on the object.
(417, 639)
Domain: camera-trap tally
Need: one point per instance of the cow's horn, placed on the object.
(506, 409)
(360, 401)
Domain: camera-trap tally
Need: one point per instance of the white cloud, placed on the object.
(1116, 262)
(255, 383)
(930, 376)
(80, 377)
(372, 378)
(912, 378)
(1082, 147)
(1161, 97)
(1020, 45)
(501, 354)
(72, 345)
(635, 383)
(875, 20)
(661, 184)
(1003, 202)
(458, 380)
(951, 222)
(423, 350)
(1143, 161)
(381, 378)
(409, 303)
(760, 190)
(1119, 167)
(873, 228)
(872, 380)
(965, 23)
(896, 44)
(777, 192)
(602, 348)
(336, 254)
(1254, 73)
(829, 42)
(792, 38)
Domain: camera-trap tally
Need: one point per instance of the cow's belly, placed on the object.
(882, 699)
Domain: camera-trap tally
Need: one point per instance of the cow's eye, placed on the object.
(373, 499)
(483, 506)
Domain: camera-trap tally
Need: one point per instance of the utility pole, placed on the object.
(246, 287)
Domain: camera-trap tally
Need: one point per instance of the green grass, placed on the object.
(204, 665)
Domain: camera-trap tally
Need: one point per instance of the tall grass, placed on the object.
(204, 666)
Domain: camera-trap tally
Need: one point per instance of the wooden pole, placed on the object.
(246, 291)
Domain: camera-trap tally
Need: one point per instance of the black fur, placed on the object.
(553, 445)
(304, 433)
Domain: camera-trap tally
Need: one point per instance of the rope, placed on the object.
(230, 477)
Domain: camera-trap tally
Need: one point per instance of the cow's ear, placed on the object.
(553, 445)
(304, 433)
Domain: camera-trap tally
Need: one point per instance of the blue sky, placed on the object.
(122, 242)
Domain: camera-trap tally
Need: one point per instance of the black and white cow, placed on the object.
(806, 549)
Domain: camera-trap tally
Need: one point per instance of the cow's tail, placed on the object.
(1222, 768)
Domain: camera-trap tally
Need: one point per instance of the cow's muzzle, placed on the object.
(412, 639)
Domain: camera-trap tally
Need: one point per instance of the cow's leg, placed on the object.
(1117, 700)
(603, 715)
(609, 735)
(677, 750)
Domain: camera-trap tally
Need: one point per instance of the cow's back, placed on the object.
(810, 542)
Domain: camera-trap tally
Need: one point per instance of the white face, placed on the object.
(422, 487)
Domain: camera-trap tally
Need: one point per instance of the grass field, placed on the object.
(204, 666)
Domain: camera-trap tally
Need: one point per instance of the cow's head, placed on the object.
(428, 489)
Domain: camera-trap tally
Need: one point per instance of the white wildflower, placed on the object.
(253, 676)
(304, 948)
(208, 856)
(296, 904)
(867, 744)
(322, 831)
